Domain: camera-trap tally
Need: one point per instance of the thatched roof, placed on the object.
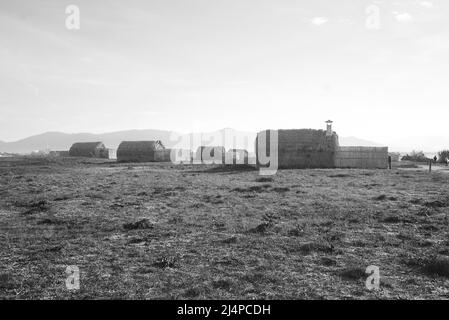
(138, 151)
(140, 145)
(89, 149)
(87, 146)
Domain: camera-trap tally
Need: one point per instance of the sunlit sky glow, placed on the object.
(201, 65)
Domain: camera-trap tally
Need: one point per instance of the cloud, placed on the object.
(404, 17)
(318, 21)
(426, 4)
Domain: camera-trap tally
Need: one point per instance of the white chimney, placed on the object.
(329, 131)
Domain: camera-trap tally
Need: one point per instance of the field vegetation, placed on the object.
(163, 231)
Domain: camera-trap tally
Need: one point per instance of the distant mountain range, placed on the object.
(353, 141)
(63, 141)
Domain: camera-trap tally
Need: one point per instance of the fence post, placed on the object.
(430, 165)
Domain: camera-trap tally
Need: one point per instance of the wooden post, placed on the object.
(389, 162)
(430, 165)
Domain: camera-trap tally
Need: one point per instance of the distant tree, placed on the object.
(416, 156)
(443, 155)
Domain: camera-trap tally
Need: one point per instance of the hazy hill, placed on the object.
(63, 141)
(353, 141)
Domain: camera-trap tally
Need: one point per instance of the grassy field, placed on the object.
(160, 231)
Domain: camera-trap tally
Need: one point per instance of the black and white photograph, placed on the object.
(247, 151)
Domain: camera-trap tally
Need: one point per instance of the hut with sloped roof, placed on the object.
(89, 149)
(139, 151)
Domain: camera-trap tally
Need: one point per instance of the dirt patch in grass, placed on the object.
(253, 189)
(192, 292)
(310, 247)
(328, 262)
(51, 221)
(281, 189)
(229, 240)
(384, 197)
(138, 225)
(165, 262)
(391, 219)
(35, 206)
(353, 274)
(261, 228)
(340, 175)
(223, 284)
(64, 197)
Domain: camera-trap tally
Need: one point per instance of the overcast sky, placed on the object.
(207, 64)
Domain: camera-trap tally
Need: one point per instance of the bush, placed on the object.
(443, 155)
(417, 156)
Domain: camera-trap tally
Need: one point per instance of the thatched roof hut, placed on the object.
(138, 151)
(89, 149)
(173, 155)
(162, 155)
